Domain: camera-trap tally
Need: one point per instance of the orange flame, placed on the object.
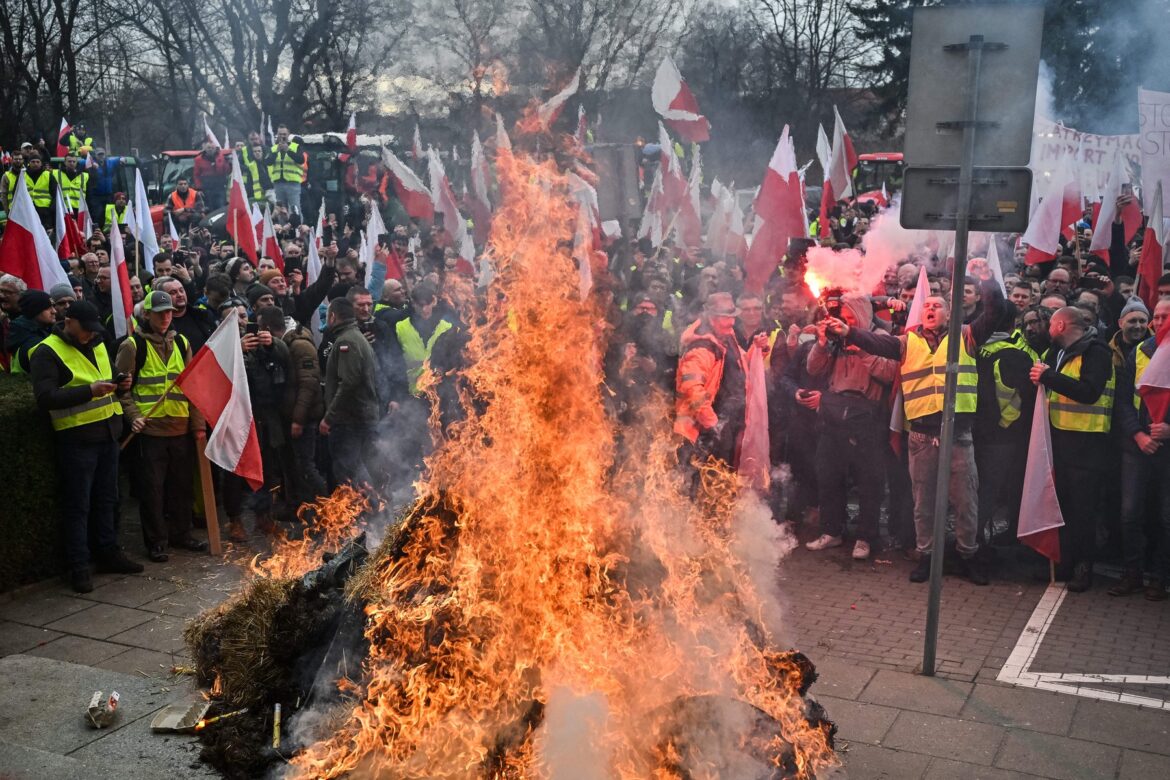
(542, 558)
(330, 522)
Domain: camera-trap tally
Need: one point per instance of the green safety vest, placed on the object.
(253, 176)
(286, 168)
(924, 376)
(155, 377)
(416, 353)
(1008, 398)
(9, 188)
(84, 373)
(72, 190)
(113, 215)
(1068, 415)
(39, 190)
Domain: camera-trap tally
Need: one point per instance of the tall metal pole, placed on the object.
(974, 50)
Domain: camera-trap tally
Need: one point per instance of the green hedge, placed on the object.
(30, 537)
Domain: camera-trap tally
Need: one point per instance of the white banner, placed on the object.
(1154, 139)
(1092, 155)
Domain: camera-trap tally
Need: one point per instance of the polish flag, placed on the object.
(1059, 208)
(1105, 212)
(753, 459)
(994, 264)
(351, 134)
(842, 160)
(413, 194)
(443, 201)
(121, 301)
(69, 241)
(210, 135)
(481, 206)
(312, 274)
(676, 104)
(1153, 248)
(653, 221)
(825, 157)
(268, 242)
(582, 125)
(689, 221)
(173, 233)
(320, 231)
(1154, 386)
(674, 183)
(1040, 516)
(416, 148)
(779, 215)
(25, 249)
(62, 149)
(551, 108)
(143, 227)
(368, 253)
(238, 218)
(216, 382)
(84, 220)
(913, 320)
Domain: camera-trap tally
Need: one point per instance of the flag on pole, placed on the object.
(994, 264)
(503, 142)
(216, 382)
(913, 320)
(825, 157)
(84, 220)
(689, 226)
(842, 161)
(551, 108)
(173, 233)
(582, 125)
(416, 148)
(320, 231)
(413, 194)
(1153, 249)
(1040, 516)
(25, 249)
(271, 135)
(481, 206)
(674, 183)
(1059, 207)
(143, 223)
(1106, 212)
(210, 135)
(653, 222)
(121, 300)
(1154, 385)
(779, 215)
(268, 243)
(351, 134)
(62, 148)
(227, 143)
(69, 241)
(238, 219)
(312, 274)
(443, 202)
(368, 252)
(676, 104)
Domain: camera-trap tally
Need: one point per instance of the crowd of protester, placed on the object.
(334, 373)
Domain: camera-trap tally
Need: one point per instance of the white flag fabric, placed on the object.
(144, 223)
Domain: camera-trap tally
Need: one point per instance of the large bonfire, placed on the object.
(550, 608)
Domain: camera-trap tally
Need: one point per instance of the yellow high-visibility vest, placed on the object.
(1141, 362)
(1068, 415)
(84, 373)
(72, 189)
(417, 353)
(286, 167)
(924, 378)
(39, 189)
(154, 378)
(1008, 398)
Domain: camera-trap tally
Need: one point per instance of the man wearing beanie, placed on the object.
(1133, 327)
(33, 326)
(260, 297)
(242, 274)
(62, 295)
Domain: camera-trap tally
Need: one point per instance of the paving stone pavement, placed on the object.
(860, 623)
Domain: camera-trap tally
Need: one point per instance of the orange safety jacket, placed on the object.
(700, 372)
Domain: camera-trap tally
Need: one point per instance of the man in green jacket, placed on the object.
(351, 397)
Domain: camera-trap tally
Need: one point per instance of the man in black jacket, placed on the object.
(73, 381)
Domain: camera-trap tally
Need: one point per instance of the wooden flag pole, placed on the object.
(209, 510)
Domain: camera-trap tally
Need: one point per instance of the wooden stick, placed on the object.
(149, 412)
(209, 510)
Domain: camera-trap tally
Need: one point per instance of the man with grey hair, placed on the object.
(11, 288)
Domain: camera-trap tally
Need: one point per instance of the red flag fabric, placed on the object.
(1105, 212)
(121, 300)
(582, 125)
(25, 249)
(239, 215)
(779, 215)
(1040, 516)
(551, 108)
(209, 135)
(754, 463)
(690, 226)
(674, 183)
(1060, 201)
(268, 242)
(843, 160)
(676, 104)
(84, 220)
(173, 233)
(351, 134)
(443, 201)
(65, 246)
(62, 149)
(825, 156)
(1154, 386)
(216, 382)
(412, 193)
(1153, 247)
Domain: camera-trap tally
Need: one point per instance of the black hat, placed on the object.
(256, 292)
(86, 315)
(33, 302)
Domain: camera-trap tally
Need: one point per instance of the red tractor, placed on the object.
(875, 170)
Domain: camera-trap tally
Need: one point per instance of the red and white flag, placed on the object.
(582, 125)
(1154, 385)
(173, 233)
(674, 181)
(84, 220)
(69, 241)
(653, 214)
(753, 460)
(25, 249)
(216, 382)
(412, 193)
(842, 161)
(1059, 208)
(351, 134)
(121, 300)
(736, 243)
(825, 156)
(210, 135)
(268, 243)
(1105, 212)
(143, 226)
(676, 104)
(689, 224)
(913, 320)
(1153, 250)
(551, 108)
(63, 149)
(238, 218)
(779, 215)
(444, 202)
(1040, 516)
(481, 206)
(416, 148)
(312, 274)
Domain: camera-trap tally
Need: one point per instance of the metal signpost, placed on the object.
(973, 76)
